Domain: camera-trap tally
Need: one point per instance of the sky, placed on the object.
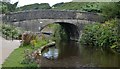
(26, 2)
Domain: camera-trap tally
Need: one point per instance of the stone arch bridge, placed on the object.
(72, 21)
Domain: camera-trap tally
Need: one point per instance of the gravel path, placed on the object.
(6, 48)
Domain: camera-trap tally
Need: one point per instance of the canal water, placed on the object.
(71, 54)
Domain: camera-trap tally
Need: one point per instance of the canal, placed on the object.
(72, 54)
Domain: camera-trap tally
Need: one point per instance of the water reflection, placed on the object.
(67, 49)
(51, 53)
(73, 55)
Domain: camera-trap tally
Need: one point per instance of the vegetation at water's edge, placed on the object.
(17, 57)
(104, 35)
(30, 41)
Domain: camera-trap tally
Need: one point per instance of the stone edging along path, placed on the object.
(36, 55)
(41, 49)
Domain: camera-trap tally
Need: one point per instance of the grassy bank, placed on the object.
(17, 56)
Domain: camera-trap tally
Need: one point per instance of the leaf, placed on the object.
(113, 46)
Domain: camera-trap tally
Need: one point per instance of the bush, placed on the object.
(102, 35)
(82, 6)
(27, 37)
(10, 31)
(111, 10)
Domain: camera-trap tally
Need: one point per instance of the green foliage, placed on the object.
(69, 6)
(40, 43)
(111, 10)
(57, 5)
(92, 7)
(35, 6)
(32, 39)
(101, 35)
(12, 7)
(3, 9)
(7, 7)
(60, 33)
(82, 6)
(10, 31)
(108, 9)
(16, 57)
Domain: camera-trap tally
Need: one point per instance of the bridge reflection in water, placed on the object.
(71, 54)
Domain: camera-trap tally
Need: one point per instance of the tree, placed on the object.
(35, 6)
(58, 4)
(12, 7)
(7, 7)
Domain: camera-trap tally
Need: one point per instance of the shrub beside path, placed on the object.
(6, 48)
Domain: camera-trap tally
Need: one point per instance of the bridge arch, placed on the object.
(71, 29)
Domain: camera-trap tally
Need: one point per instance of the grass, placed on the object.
(17, 56)
(40, 43)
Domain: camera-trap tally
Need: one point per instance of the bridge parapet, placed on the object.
(51, 14)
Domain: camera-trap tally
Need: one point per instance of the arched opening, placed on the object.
(64, 35)
(70, 30)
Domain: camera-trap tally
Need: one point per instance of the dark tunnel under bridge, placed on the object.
(71, 30)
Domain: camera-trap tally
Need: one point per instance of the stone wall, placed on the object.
(40, 14)
(51, 14)
(33, 25)
(33, 20)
